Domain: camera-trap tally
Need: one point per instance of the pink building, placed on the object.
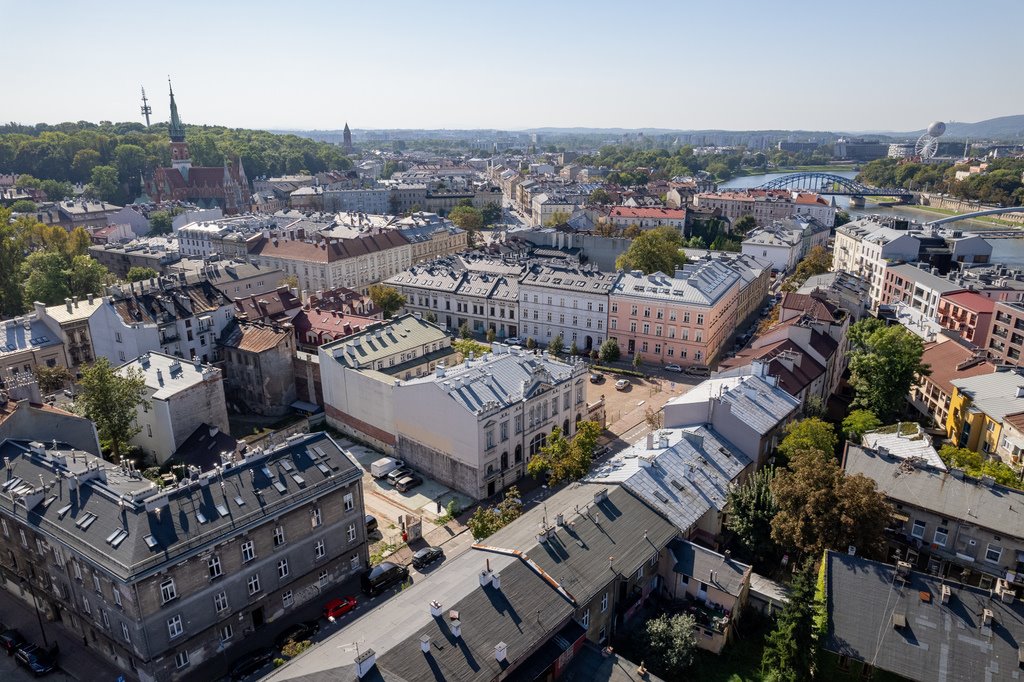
(685, 318)
(967, 313)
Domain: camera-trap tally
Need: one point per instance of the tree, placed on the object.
(388, 299)
(110, 398)
(51, 379)
(290, 281)
(811, 434)
(820, 507)
(45, 274)
(789, 650)
(464, 331)
(842, 217)
(655, 419)
(884, 363)
(161, 222)
(83, 163)
(818, 261)
(669, 644)
(530, 343)
(557, 345)
(24, 206)
(751, 510)
(973, 464)
(103, 183)
(859, 422)
(574, 349)
(56, 190)
(12, 249)
(491, 213)
(486, 520)
(637, 361)
(609, 350)
(86, 276)
(744, 224)
(656, 250)
(632, 232)
(466, 217)
(78, 243)
(565, 459)
(558, 218)
(599, 196)
(491, 336)
(138, 273)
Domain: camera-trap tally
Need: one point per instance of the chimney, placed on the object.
(365, 662)
(90, 298)
(496, 580)
(663, 441)
(456, 627)
(650, 441)
(67, 304)
(439, 370)
(500, 651)
(75, 299)
(425, 644)
(986, 618)
(435, 609)
(160, 377)
(945, 594)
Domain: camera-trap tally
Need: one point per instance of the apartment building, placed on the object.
(949, 358)
(159, 581)
(70, 323)
(978, 406)
(684, 318)
(27, 342)
(1006, 336)
(156, 253)
(783, 248)
(919, 287)
(967, 313)
(237, 278)
(946, 523)
(566, 301)
(767, 206)
(431, 236)
(865, 247)
(179, 398)
(258, 367)
(647, 217)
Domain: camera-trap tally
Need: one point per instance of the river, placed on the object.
(1009, 251)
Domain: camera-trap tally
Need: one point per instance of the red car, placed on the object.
(339, 607)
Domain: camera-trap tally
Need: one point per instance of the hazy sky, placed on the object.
(739, 64)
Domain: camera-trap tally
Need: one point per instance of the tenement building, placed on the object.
(158, 581)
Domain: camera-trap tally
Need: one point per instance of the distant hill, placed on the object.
(1002, 128)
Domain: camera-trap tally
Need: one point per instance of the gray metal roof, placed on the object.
(683, 475)
(572, 279)
(702, 283)
(925, 278)
(938, 643)
(405, 333)
(708, 566)
(121, 522)
(995, 394)
(755, 401)
(956, 497)
(25, 333)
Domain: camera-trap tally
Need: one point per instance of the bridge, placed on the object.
(977, 214)
(828, 183)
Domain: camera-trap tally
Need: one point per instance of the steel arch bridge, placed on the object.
(828, 183)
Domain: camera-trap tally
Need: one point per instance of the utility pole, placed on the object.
(146, 109)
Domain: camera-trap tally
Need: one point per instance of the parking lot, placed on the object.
(626, 408)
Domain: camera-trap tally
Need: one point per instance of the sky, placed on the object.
(860, 65)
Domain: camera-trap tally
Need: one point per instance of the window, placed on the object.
(24, 540)
(322, 579)
(918, 530)
(167, 591)
(604, 602)
(213, 564)
(3, 523)
(940, 537)
(98, 586)
(640, 573)
(181, 660)
(174, 628)
(287, 599)
(220, 601)
(351, 533)
(117, 594)
(993, 554)
(319, 550)
(585, 620)
(126, 633)
(601, 635)
(254, 583)
(354, 562)
(349, 502)
(248, 551)
(226, 632)
(278, 536)
(106, 621)
(78, 570)
(282, 568)
(315, 517)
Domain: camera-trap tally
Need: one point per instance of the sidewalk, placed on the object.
(76, 660)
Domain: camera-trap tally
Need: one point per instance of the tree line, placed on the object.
(71, 153)
(1000, 184)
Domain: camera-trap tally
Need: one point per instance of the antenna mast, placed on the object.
(146, 109)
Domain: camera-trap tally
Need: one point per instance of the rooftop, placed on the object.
(168, 375)
(396, 336)
(25, 333)
(752, 398)
(254, 337)
(906, 441)
(997, 394)
(704, 283)
(700, 562)
(953, 358)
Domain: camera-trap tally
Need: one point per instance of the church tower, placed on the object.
(348, 138)
(179, 148)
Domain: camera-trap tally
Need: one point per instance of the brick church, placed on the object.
(208, 187)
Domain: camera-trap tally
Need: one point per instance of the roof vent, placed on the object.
(456, 627)
(903, 570)
(945, 594)
(500, 651)
(425, 643)
(365, 662)
(436, 609)
(899, 621)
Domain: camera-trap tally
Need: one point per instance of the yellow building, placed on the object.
(978, 406)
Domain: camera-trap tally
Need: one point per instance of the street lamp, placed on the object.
(35, 605)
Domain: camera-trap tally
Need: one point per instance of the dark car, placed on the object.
(300, 632)
(426, 556)
(39, 661)
(408, 483)
(250, 663)
(11, 640)
(383, 575)
(398, 474)
(596, 378)
(371, 524)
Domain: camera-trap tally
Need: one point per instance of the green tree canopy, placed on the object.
(161, 222)
(859, 422)
(811, 434)
(744, 224)
(491, 213)
(556, 345)
(110, 399)
(600, 196)
(566, 459)
(751, 510)
(103, 184)
(820, 507)
(486, 520)
(51, 379)
(669, 643)
(46, 277)
(610, 350)
(24, 206)
(387, 298)
(790, 647)
(885, 361)
(466, 217)
(138, 273)
(656, 250)
(974, 464)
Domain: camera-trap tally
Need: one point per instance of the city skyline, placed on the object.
(467, 66)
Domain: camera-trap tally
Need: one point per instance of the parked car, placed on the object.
(251, 662)
(426, 556)
(371, 524)
(375, 580)
(408, 483)
(596, 378)
(398, 474)
(11, 640)
(300, 632)
(673, 368)
(36, 659)
(622, 384)
(339, 607)
(698, 371)
(513, 341)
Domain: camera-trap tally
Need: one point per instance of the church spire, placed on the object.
(177, 129)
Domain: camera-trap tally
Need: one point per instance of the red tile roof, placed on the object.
(648, 212)
(972, 300)
(951, 360)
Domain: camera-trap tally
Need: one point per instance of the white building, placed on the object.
(864, 248)
(180, 397)
(570, 302)
(782, 247)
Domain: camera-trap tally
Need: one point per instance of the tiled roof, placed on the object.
(159, 305)
(329, 251)
(809, 305)
(397, 335)
(972, 300)
(253, 337)
(794, 376)
(950, 360)
(648, 212)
